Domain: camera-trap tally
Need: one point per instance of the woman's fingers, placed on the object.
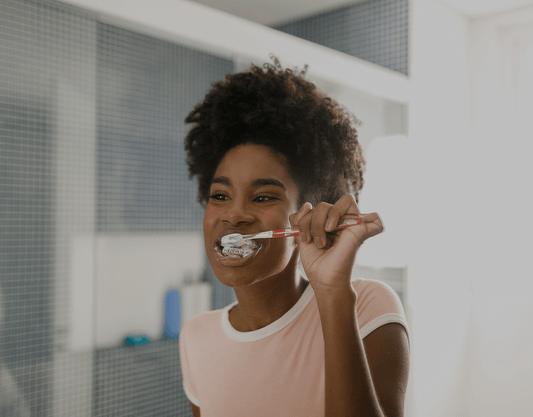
(315, 223)
(294, 218)
(373, 224)
(304, 224)
(311, 223)
(318, 223)
(342, 209)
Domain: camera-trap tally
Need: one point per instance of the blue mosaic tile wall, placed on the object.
(91, 141)
(374, 30)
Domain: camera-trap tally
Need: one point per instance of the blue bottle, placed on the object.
(172, 314)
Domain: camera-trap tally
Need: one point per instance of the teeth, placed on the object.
(242, 250)
(236, 251)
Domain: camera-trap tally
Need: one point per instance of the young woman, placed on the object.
(270, 151)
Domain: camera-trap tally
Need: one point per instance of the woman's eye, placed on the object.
(218, 197)
(264, 198)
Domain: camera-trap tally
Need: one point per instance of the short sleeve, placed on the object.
(377, 304)
(188, 382)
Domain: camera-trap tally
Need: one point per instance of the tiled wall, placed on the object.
(373, 30)
(145, 89)
(91, 141)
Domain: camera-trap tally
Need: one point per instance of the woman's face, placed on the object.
(252, 191)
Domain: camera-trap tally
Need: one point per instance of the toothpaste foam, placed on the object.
(240, 250)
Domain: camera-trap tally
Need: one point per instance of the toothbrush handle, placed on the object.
(295, 232)
(285, 232)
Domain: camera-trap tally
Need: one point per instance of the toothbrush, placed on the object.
(236, 239)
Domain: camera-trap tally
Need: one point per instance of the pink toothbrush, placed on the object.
(236, 239)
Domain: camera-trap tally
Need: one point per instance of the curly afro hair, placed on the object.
(281, 110)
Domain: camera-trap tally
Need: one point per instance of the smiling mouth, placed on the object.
(240, 251)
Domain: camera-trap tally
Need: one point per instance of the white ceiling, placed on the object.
(480, 8)
(270, 12)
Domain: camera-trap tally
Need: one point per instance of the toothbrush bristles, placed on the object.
(232, 239)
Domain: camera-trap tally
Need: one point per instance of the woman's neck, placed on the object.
(265, 302)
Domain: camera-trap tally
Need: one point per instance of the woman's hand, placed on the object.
(327, 254)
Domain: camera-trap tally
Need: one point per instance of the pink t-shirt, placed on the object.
(277, 370)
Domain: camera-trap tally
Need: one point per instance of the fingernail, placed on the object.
(303, 237)
(318, 241)
(303, 207)
(329, 224)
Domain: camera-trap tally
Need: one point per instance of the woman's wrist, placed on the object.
(334, 295)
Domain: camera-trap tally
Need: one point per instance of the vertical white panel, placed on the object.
(75, 222)
(501, 153)
(438, 206)
(384, 192)
(81, 299)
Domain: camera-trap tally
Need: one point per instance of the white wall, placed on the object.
(470, 278)
(386, 182)
(118, 285)
(438, 207)
(133, 273)
(501, 367)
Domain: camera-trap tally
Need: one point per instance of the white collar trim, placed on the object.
(272, 328)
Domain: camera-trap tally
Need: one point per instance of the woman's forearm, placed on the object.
(349, 387)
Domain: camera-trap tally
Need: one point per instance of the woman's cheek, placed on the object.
(273, 217)
(211, 215)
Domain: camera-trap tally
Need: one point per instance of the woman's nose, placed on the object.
(237, 212)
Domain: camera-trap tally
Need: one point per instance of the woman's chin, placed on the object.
(239, 270)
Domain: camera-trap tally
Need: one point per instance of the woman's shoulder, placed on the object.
(202, 324)
(366, 288)
(377, 303)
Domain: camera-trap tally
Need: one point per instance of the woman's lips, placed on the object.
(234, 259)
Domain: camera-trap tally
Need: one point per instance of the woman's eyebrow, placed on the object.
(257, 183)
(221, 180)
(269, 181)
